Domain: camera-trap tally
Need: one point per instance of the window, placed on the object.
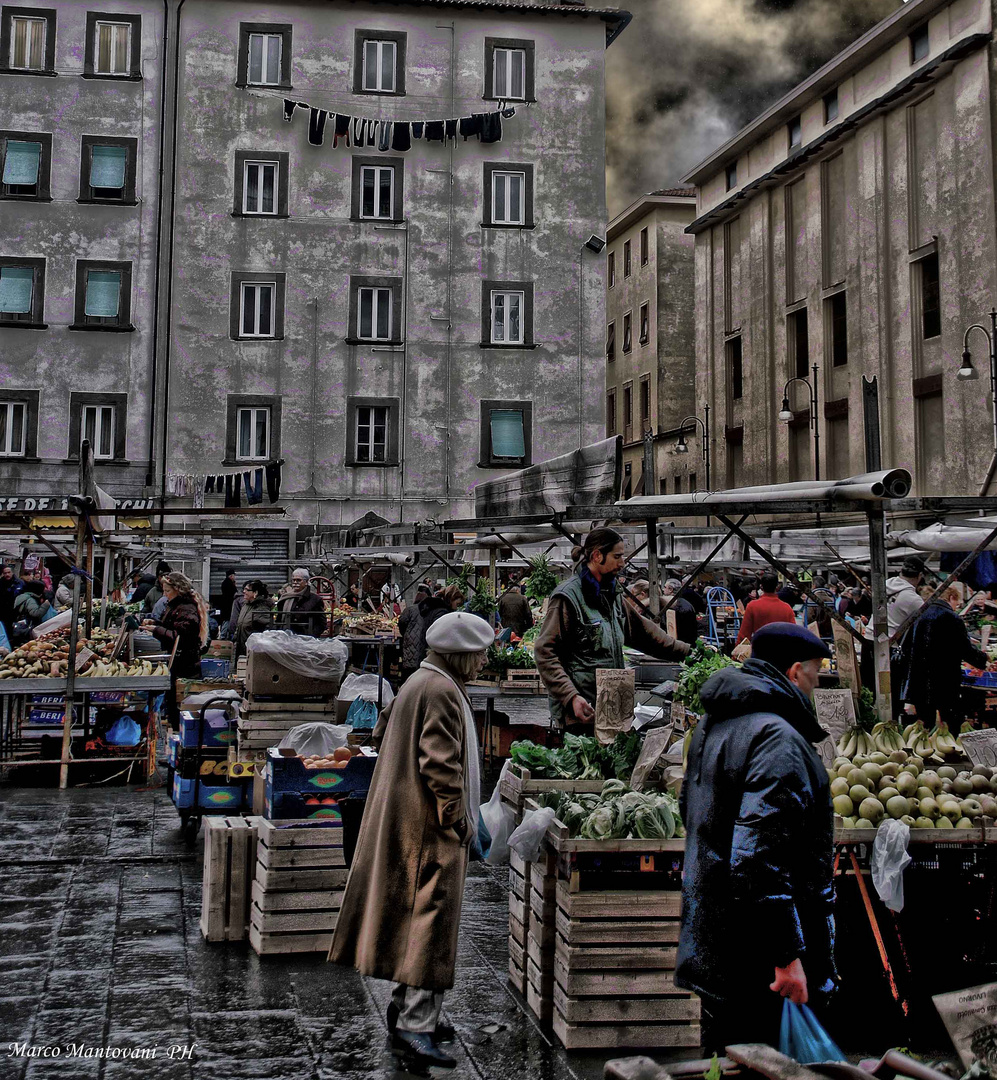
(611, 342)
(838, 311)
(628, 332)
(252, 428)
(732, 176)
(27, 40)
(795, 131)
(507, 314)
(693, 482)
(253, 435)
(611, 262)
(25, 165)
(626, 258)
(377, 189)
(798, 340)
(506, 434)
(678, 485)
(919, 44)
(509, 70)
(101, 419)
(260, 184)
(645, 403)
(264, 55)
(508, 195)
(931, 311)
(22, 292)
(257, 306)
(628, 412)
(103, 295)
(372, 431)
(610, 413)
(735, 369)
(831, 106)
(374, 314)
(375, 310)
(643, 247)
(13, 426)
(645, 325)
(107, 169)
(379, 62)
(113, 46)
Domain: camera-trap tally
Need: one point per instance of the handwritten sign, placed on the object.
(614, 702)
(83, 658)
(844, 651)
(836, 714)
(654, 746)
(969, 1016)
(981, 746)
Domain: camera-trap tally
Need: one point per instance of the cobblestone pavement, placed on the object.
(100, 946)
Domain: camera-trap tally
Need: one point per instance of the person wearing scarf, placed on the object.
(586, 626)
(401, 910)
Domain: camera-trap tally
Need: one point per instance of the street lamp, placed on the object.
(786, 413)
(683, 447)
(968, 373)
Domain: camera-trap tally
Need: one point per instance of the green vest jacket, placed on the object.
(597, 641)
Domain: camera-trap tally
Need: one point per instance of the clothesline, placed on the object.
(229, 482)
(398, 135)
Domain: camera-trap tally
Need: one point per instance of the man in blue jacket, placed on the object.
(757, 890)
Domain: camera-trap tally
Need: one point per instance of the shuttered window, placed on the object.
(103, 294)
(107, 169)
(508, 439)
(16, 286)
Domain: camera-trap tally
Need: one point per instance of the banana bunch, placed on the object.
(104, 669)
(944, 741)
(886, 735)
(916, 738)
(856, 741)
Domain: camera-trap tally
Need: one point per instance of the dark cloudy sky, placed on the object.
(687, 74)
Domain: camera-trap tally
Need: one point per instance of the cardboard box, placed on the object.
(266, 677)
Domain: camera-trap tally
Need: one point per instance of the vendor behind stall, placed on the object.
(185, 626)
(301, 610)
(255, 614)
(586, 626)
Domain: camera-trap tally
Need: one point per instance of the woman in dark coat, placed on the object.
(184, 625)
(255, 614)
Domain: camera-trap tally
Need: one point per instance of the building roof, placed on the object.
(859, 53)
(615, 19)
(683, 197)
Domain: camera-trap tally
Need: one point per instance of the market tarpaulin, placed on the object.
(946, 537)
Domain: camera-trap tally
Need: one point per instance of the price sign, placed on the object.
(654, 746)
(678, 713)
(83, 658)
(981, 747)
(844, 651)
(966, 1014)
(836, 714)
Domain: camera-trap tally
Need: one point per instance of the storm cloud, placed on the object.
(687, 74)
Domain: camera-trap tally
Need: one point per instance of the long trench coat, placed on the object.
(401, 910)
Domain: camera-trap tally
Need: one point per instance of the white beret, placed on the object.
(459, 632)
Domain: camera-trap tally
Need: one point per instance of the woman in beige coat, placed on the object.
(401, 911)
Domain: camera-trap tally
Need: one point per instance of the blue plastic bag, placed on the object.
(362, 714)
(803, 1039)
(124, 732)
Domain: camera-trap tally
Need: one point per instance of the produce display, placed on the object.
(616, 813)
(48, 658)
(541, 581)
(868, 788)
(935, 745)
(580, 758)
(366, 623)
(503, 657)
(338, 759)
(699, 665)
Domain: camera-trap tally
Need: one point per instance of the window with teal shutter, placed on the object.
(21, 166)
(103, 292)
(15, 290)
(107, 168)
(508, 439)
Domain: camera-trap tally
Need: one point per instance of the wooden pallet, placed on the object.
(253, 705)
(298, 889)
(261, 734)
(229, 860)
(519, 885)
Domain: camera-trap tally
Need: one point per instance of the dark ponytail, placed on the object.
(601, 540)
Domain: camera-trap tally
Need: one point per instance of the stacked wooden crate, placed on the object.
(264, 723)
(519, 896)
(517, 785)
(541, 937)
(229, 865)
(300, 879)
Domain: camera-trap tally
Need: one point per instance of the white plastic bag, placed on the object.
(315, 658)
(528, 837)
(365, 686)
(499, 820)
(319, 739)
(194, 701)
(889, 859)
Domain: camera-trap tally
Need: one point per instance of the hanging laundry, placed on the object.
(359, 131)
(401, 139)
(434, 130)
(290, 106)
(372, 132)
(198, 492)
(491, 128)
(509, 113)
(384, 142)
(233, 484)
(342, 129)
(316, 126)
(470, 125)
(273, 480)
(209, 485)
(254, 487)
(451, 131)
(418, 127)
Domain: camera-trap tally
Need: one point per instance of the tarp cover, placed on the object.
(315, 658)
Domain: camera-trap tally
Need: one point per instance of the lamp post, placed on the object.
(968, 373)
(683, 446)
(786, 414)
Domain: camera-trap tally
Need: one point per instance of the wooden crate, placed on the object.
(300, 880)
(522, 682)
(517, 785)
(519, 894)
(540, 938)
(229, 860)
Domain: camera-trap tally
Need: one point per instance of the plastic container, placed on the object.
(212, 668)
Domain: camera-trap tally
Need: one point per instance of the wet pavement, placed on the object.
(100, 947)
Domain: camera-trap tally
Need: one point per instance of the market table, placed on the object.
(522, 710)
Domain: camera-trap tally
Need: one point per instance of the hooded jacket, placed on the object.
(936, 645)
(902, 600)
(758, 887)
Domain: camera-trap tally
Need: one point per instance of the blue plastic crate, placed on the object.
(172, 749)
(222, 799)
(289, 785)
(212, 668)
(290, 805)
(218, 730)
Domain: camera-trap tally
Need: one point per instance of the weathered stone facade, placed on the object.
(852, 226)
